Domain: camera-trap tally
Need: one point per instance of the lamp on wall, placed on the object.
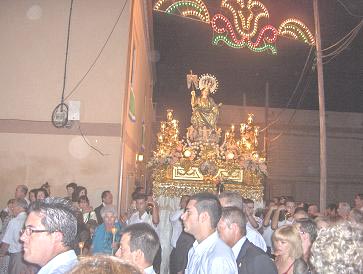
(139, 157)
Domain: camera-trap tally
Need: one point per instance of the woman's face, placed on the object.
(70, 191)
(40, 195)
(281, 247)
(205, 91)
(82, 193)
(32, 197)
(83, 204)
(109, 219)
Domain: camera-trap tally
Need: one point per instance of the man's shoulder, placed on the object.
(252, 250)
(133, 218)
(221, 259)
(255, 258)
(221, 249)
(17, 221)
(60, 264)
(98, 208)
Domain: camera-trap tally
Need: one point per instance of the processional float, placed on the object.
(204, 160)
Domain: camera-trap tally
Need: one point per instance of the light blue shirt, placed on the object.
(211, 256)
(60, 264)
(12, 234)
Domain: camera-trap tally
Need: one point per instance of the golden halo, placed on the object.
(206, 79)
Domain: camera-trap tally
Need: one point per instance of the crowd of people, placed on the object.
(211, 233)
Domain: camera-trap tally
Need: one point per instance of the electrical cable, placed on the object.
(347, 10)
(67, 48)
(346, 43)
(60, 112)
(91, 146)
(295, 111)
(99, 53)
(303, 72)
(342, 39)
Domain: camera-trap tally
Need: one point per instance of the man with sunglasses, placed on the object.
(48, 236)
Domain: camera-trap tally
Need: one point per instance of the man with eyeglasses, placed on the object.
(10, 243)
(48, 236)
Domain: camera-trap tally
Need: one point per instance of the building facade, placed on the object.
(293, 151)
(108, 87)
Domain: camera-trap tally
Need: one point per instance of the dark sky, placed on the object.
(182, 44)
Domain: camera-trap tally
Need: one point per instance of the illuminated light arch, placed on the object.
(255, 15)
(245, 31)
(191, 8)
(297, 30)
(231, 44)
(267, 34)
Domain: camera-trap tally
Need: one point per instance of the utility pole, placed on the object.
(319, 63)
(265, 138)
(267, 105)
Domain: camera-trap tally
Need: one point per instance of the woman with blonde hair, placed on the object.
(288, 250)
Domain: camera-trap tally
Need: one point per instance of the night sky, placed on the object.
(182, 44)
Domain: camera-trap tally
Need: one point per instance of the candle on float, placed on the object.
(81, 245)
(163, 125)
(114, 231)
(250, 118)
(243, 128)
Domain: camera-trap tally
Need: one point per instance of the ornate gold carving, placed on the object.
(192, 174)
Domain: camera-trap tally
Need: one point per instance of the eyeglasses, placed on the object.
(29, 231)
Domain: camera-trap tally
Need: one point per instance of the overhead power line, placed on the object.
(348, 10)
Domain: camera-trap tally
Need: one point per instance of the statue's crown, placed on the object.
(208, 79)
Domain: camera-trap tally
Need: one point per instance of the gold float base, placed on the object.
(165, 184)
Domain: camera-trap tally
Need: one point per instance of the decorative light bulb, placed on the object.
(187, 153)
(230, 155)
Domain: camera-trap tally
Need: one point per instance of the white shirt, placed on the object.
(237, 247)
(60, 264)
(12, 233)
(149, 270)
(88, 216)
(176, 225)
(145, 218)
(285, 222)
(267, 234)
(211, 256)
(255, 237)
